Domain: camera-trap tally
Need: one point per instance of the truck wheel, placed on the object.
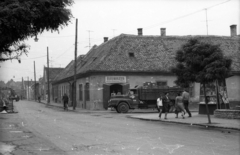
(123, 107)
(117, 110)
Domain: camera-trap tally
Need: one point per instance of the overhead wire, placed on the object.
(35, 57)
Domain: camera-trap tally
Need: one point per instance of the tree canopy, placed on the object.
(21, 19)
(200, 62)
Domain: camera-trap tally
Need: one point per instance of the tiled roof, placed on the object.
(68, 71)
(53, 72)
(151, 53)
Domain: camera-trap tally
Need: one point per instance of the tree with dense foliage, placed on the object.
(21, 19)
(201, 62)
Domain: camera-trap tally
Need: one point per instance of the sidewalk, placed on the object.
(148, 114)
(196, 119)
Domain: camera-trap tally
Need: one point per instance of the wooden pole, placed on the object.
(75, 68)
(217, 95)
(35, 93)
(48, 99)
(28, 90)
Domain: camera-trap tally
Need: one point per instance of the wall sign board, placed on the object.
(115, 79)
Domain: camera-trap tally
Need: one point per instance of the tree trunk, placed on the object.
(206, 103)
(217, 92)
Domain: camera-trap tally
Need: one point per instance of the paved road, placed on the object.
(108, 133)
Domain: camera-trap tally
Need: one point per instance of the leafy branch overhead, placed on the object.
(21, 19)
(200, 62)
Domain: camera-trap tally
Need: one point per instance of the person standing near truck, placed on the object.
(166, 102)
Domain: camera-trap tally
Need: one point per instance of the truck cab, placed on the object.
(122, 103)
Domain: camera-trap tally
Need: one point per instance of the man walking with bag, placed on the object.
(185, 97)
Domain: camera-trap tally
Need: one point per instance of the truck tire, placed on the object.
(123, 107)
(117, 110)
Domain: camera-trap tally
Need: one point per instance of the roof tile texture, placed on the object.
(151, 54)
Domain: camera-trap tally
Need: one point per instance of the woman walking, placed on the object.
(179, 105)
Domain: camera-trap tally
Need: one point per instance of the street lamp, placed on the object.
(36, 38)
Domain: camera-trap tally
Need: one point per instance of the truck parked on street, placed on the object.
(142, 97)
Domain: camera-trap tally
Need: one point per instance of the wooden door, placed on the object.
(106, 95)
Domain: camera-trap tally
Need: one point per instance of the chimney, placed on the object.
(233, 30)
(139, 31)
(163, 31)
(105, 39)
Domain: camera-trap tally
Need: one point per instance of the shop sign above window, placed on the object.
(115, 79)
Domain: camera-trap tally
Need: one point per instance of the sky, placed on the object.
(110, 18)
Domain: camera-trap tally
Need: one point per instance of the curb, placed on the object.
(190, 124)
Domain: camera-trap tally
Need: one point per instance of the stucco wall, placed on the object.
(96, 87)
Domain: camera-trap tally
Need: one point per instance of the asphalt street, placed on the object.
(39, 129)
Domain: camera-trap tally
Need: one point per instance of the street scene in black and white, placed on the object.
(87, 77)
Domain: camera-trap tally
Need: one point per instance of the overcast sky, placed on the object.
(110, 18)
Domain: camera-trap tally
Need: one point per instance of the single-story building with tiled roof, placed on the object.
(129, 60)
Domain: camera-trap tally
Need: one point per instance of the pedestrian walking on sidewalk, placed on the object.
(186, 97)
(160, 106)
(166, 102)
(179, 105)
(65, 101)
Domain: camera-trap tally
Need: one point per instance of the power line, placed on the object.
(56, 36)
(64, 52)
(34, 58)
(183, 16)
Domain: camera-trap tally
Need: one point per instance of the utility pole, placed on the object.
(75, 69)
(28, 90)
(35, 93)
(22, 89)
(48, 98)
(89, 31)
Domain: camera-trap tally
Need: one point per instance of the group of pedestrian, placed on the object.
(181, 104)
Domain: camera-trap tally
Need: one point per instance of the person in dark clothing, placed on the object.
(165, 101)
(185, 97)
(65, 101)
(39, 98)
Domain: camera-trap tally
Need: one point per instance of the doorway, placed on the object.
(116, 88)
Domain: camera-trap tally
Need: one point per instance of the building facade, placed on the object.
(130, 60)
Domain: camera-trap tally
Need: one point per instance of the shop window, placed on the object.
(80, 93)
(87, 93)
